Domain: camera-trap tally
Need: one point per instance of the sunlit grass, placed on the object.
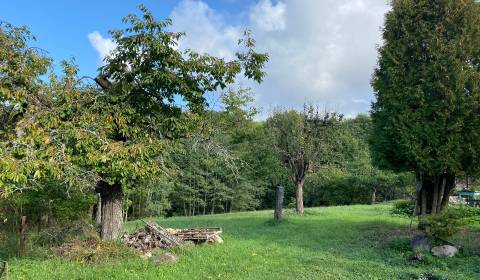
(348, 242)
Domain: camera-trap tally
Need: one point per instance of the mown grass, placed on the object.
(348, 242)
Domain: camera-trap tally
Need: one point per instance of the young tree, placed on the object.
(427, 88)
(299, 138)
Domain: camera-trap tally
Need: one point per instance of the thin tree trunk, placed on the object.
(5, 270)
(21, 235)
(299, 196)
(441, 194)
(374, 191)
(111, 211)
(424, 200)
(435, 196)
(39, 223)
(204, 203)
(49, 214)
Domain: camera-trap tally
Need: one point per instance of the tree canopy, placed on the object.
(427, 89)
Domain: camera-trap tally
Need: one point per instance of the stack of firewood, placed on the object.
(154, 236)
(200, 235)
(150, 237)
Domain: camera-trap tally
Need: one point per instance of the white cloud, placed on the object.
(104, 46)
(206, 30)
(320, 51)
(267, 16)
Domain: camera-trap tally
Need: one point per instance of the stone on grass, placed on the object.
(216, 240)
(444, 251)
(167, 258)
(420, 243)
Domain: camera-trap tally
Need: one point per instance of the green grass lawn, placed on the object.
(348, 242)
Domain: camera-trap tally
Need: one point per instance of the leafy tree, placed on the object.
(116, 136)
(350, 176)
(299, 138)
(427, 87)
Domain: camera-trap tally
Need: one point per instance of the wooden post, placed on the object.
(5, 270)
(21, 246)
(278, 203)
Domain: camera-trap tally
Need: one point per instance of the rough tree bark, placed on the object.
(374, 195)
(111, 208)
(21, 236)
(299, 196)
(278, 203)
(435, 193)
(98, 213)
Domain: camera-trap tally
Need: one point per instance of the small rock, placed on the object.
(420, 243)
(417, 257)
(444, 251)
(146, 255)
(166, 258)
(216, 239)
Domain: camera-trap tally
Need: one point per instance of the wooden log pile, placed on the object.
(150, 237)
(200, 235)
(154, 236)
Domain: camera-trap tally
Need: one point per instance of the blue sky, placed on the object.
(320, 51)
(61, 27)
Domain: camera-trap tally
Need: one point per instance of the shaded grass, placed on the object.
(348, 242)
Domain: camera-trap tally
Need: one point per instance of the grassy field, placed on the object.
(349, 242)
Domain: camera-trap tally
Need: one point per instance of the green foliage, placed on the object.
(427, 87)
(444, 224)
(350, 176)
(403, 208)
(470, 215)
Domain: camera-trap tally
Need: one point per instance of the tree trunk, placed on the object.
(424, 200)
(449, 188)
(49, 214)
(299, 196)
(279, 203)
(111, 197)
(21, 236)
(441, 194)
(434, 197)
(435, 193)
(98, 213)
(374, 192)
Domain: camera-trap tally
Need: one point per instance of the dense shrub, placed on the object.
(444, 224)
(403, 207)
(470, 215)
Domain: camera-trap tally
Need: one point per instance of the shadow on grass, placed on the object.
(380, 242)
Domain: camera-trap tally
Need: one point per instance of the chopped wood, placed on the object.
(154, 236)
(199, 235)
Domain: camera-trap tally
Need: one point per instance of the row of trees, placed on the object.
(126, 138)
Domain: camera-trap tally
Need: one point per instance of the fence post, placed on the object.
(278, 203)
(5, 270)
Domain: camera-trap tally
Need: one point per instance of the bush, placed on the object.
(471, 215)
(444, 224)
(403, 207)
(55, 236)
(95, 251)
